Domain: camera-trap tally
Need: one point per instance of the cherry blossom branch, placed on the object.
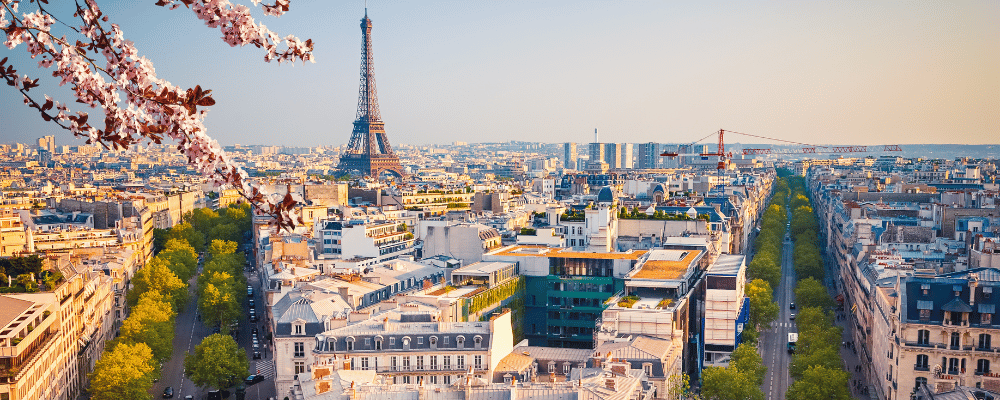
(152, 108)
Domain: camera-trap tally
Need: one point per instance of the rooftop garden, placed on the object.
(628, 301)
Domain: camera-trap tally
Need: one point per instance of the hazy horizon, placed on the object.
(812, 72)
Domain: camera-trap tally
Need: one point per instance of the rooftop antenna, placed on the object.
(366, 8)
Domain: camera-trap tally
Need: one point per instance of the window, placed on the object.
(298, 329)
(923, 336)
(925, 315)
(460, 361)
(478, 361)
(447, 379)
(552, 367)
(434, 379)
(300, 367)
(956, 340)
(460, 341)
(986, 319)
(364, 363)
(406, 363)
(392, 341)
(406, 343)
(952, 366)
(566, 367)
(445, 340)
(378, 344)
(447, 362)
(300, 349)
(368, 342)
(646, 368)
(434, 342)
(420, 340)
(392, 363)
(922, 363)
(985, 341)
(406, 379)
(420, 362)
(350, 344)
(479, 341)
(982, 367)
(434, 362)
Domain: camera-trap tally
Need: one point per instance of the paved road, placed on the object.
(774, 341)
(189, 332)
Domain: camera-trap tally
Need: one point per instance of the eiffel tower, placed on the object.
(369, 153)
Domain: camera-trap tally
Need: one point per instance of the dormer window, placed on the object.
(925, 289)
(460, 341)
(406, 343)
(479, 341)
(299, 328)
(350, 344)
(987, 291)
(434, 342)
(378, 343)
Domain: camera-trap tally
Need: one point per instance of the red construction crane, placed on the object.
(806, 149)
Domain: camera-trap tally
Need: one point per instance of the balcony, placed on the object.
(918, 367)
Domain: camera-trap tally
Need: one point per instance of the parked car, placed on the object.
(256, 355)
(252, 379)
(168, 392)
(791, 316)
(791, 305)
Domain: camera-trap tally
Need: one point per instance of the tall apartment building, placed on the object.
(569, 155)
(936, 331)
(50, 341)
(596, 152)
(626, 155)
(648, 155)
(613, 155)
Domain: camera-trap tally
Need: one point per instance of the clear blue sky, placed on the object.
(664, 71)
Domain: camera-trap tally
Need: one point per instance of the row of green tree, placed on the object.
(766, 263)
(159, 291)
(636, 213)
(129, 364)
(221, 285)
(816, 364)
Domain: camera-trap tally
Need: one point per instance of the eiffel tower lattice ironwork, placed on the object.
(369, 152)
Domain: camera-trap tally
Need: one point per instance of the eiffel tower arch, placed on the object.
(369, 153)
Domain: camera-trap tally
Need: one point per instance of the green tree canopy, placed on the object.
(185, 231)
(763, 309)
(811, 293)
(820, 383)
(218, 306)
(216, 363)
(181, 258)
(126, 372)
(729, 384)
(151, 322)
(746, 360)
(157, 276)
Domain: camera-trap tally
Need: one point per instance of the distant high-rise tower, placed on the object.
(613, 154)
(648, 156)
(626, 158)
(569, 155)
(369, 152)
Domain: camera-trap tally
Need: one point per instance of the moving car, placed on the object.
(791, 305)
(256, 355)
(791, 316)
(252, 379)
(168, 392)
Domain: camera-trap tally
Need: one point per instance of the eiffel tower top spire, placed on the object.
(367, 94)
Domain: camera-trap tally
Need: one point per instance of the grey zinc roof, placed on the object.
(302, 309)
(957, 305)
